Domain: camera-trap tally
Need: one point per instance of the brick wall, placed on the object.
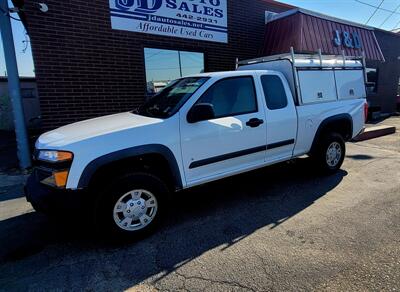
(388, 72)
(85, 69)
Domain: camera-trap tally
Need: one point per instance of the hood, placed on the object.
(92, 128)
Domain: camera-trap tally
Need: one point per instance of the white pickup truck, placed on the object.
(199, 129)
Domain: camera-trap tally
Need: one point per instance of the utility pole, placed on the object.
(14, 87)
(180, 63)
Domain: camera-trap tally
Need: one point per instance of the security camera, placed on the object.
(43, 7)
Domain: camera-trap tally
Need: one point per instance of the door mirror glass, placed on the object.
(201, 112)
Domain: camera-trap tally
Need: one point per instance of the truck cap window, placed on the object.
(231, 97)
(165, 103)
(274, 92)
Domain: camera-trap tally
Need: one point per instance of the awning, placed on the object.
(307, 32)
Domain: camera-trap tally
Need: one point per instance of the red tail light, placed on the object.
(366, 111)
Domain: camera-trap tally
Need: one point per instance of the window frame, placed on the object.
(265, 96)
(224, 79)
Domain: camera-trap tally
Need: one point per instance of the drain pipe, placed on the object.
(14, 87)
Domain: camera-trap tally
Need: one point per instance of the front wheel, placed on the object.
(330, 153)
(130, 206)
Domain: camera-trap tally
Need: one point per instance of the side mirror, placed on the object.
(201, 112)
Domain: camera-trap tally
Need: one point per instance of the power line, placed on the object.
(376, 10)
(390, 15)
(373, 6)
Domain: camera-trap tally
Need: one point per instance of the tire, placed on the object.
(130, 207)
(330, 153)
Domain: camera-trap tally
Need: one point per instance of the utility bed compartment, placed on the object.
(316, 78)
(317, 86)
(350, 83)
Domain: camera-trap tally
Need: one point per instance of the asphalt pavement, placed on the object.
(282, 228)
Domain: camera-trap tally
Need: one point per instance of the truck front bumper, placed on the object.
(51, 200)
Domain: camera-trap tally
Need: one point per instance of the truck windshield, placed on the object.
(165, 103)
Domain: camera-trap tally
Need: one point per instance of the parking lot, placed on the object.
(280, 228)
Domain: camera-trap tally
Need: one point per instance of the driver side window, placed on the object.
(231, 97)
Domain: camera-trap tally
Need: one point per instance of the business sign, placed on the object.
(191, 19)
(347, 39)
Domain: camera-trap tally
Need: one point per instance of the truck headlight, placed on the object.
(54, 156)
(57, 172)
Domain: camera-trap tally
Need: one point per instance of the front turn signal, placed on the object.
(57, 179)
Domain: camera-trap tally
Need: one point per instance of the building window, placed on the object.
(162, 66)
(231, 97)
(372, 80)
(274, 92)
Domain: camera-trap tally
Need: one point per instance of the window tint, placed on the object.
(274, 92)
(231, 97)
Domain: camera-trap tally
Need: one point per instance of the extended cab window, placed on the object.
(274, 92)
(231, 97)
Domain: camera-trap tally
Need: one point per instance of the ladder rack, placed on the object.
(293, 57)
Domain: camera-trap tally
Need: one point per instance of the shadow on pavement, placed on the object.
(215, 215)
(360, 157)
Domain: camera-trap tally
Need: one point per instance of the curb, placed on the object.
(374, 132)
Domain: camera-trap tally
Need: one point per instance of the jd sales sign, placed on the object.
(191, 19)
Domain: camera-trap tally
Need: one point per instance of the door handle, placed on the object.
(254, 122)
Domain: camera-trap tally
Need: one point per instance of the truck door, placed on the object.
(281, 117)
(232, 141)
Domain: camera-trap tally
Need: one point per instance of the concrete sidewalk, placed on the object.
(12, 180)
(386, 127)
(12, 199)
(372, 131)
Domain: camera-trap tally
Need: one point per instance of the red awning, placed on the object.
(307, 32)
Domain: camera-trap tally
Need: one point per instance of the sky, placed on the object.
(355, 11)
(345, 9)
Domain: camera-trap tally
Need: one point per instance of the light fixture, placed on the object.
(42, 7)
(54, 156)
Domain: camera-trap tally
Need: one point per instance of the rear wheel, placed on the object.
(132, 205)
(330, 153)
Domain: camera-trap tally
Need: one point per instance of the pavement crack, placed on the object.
(264, 266)
(223, 282)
